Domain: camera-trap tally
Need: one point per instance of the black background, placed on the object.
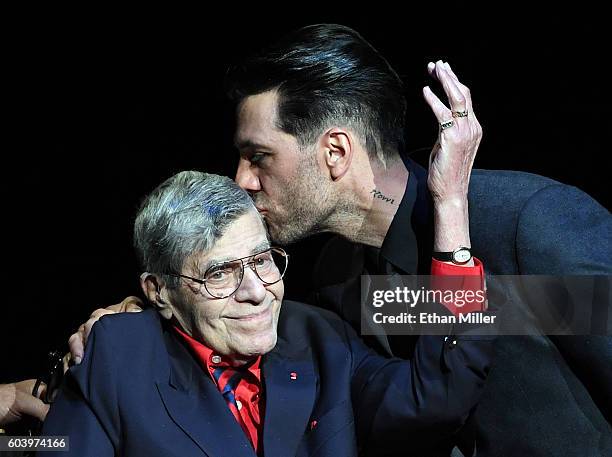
(104, 106)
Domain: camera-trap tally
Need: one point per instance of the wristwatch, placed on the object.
(459, 256)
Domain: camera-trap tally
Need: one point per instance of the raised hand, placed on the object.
(452, 157)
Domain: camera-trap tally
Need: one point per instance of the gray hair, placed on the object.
(185, 214)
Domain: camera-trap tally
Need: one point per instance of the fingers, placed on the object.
(17, 401)
(442, 113)
(76, 345)
(78, 340)
(26, 404)
(452, 74)
(66, 361)
(440, 110)
(455, 96)
(459, 95)
(464, 89)
(128, 305)
(27, 386)
(98, 313)
(131, 305)
(452, 158)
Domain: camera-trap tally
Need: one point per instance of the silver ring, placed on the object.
(447, 124)
(460, 113)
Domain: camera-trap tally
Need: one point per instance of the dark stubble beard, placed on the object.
(307, 203)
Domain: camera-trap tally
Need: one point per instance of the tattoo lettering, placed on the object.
(379, 194)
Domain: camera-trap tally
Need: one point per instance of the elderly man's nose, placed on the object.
(251, 289)
(246, 176)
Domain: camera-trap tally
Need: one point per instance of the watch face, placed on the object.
(462, 256)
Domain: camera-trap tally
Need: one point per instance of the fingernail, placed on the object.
(77, 359)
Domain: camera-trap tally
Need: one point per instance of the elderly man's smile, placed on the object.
(257, 316)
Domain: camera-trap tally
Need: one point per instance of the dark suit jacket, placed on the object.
(139, 392)
(545, 395)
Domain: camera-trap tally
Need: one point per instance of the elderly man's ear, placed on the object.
(154, 290)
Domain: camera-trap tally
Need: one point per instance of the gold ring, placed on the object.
(460, 113)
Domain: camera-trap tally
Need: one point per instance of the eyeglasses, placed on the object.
(223, 279)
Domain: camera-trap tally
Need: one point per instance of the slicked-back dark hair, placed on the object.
(327, 74)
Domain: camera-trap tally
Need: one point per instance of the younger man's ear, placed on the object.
(338, 145)
(155, 290)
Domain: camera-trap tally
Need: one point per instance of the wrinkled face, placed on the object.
(243, 325)
(287, 186)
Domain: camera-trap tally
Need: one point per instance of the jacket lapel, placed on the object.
(368, 326)
(290, 394)
(196, 406)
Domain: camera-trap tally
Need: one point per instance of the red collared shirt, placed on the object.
(248, 393)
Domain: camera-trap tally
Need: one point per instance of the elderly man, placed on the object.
(223, 367)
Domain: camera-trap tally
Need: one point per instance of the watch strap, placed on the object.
(451, 256)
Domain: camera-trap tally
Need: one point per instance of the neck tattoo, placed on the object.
(378, 194)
